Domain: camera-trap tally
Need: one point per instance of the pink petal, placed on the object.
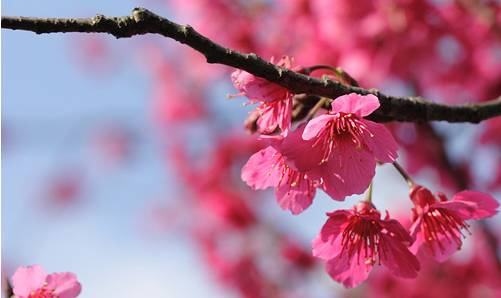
(257, 89)
(295, 198)
(398, 259)
(440, 250)
(298, 153)
(268, 119)
(349, 271)
(265, 91)
(28, 279)
(332, 183)
(380, 141)
(397, 230)
(260, 171)
(285, 118)
(65, 285)
(327, 244)
(275, 114)
(465, 210)
(418, 237)
(348, 171)
(486, 204)
(415, 228)
(361, 105)
(241, 78)
(316, 125)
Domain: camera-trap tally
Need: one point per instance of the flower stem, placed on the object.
(404, 174)
(368, 194)
(311, 69)
(341, 75)
(320, 103)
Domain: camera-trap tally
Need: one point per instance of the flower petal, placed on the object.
(285, 118)
(397, 230)
(327, 244)
(415, 228)
(380, 141)
(298, 153)
(360, 105)
(348, 171)
(295, 198)
(261, 170)
(275, 114)
(257, 89)
(440, 249)
(332, 183)
(349, 271)
(65, 285)
(465, 210)
(486, 204)
(398, 259)
(28, 279)
(316, 125)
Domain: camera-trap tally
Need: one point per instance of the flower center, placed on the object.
(439, 223)
(362, 237)
(346, 127)
(43, 292)
(293, 178)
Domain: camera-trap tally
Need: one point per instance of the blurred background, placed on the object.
(121, 158)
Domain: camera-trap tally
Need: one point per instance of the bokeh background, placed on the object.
(53, 104)
(84, 167)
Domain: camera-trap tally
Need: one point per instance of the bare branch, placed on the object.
(142, 21)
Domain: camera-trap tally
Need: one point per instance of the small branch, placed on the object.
(142, 21)
(404, 174)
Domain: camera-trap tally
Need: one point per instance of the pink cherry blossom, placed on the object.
(353, 241)
(226, 207)
(341, 148)
(34, 282)
(463, 277)
(344, 125)
(296, 254)
(437, 224)
(275, 101)
(267, 168)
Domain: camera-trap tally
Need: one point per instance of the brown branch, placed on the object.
(142, 21)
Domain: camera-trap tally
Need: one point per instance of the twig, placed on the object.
(142, 21)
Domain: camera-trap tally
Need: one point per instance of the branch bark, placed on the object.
(142, 21)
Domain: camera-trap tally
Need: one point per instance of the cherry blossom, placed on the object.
(275, 102)
(34, 282)
(438, 224)
(353, 241)
(340, 148)
(293, 189)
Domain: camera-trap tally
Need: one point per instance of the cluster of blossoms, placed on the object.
(34, 282)
(337, 152)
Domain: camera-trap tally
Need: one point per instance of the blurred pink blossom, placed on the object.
(34, 282)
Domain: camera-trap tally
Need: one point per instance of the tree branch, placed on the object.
(142, 21)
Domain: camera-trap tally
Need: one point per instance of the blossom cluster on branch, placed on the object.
(337, 152)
